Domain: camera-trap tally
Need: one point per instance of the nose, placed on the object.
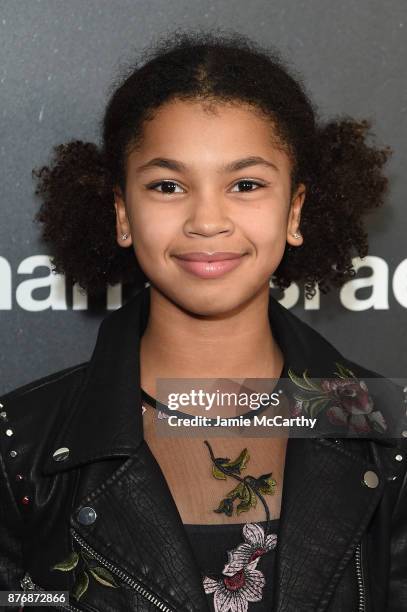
(208, 215)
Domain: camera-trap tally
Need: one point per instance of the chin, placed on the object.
(210, 300)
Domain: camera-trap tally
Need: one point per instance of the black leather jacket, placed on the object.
(342, 544)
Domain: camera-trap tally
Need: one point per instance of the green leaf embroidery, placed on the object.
(217, 473)
(249, 500)
(224, 464)
(68, 564)
(103, 576)
(247, 488)
(225, 506)
(266, 484)
(344, 372)
(88, 564)
(311, 385)
(240, 462)
(81, 586)
(236, 492)
(297, 380)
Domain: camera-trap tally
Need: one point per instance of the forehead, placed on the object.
(208, 130)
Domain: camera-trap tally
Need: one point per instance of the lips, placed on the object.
(209, 265)
(205, 256)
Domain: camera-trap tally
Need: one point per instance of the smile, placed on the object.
(209, 269)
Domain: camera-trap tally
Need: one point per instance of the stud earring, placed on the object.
(125, 236)
(296, 235)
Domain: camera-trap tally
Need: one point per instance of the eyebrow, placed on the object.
(237, 164)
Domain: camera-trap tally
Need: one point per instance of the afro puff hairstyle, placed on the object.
(342, 173)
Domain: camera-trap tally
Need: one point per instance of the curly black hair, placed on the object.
(342, 173)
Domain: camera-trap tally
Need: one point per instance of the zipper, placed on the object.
(124, 577)
(27, 584)
(360, 578)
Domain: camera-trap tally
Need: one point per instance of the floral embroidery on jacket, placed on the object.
(346, 400)
(241, 581)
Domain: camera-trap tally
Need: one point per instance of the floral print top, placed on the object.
(237, 564)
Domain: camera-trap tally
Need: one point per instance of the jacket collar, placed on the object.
(106, 419)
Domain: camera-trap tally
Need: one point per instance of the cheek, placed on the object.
(267, 229)
(151, 235)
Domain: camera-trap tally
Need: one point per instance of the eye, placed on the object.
(168, 187)
(247, 184)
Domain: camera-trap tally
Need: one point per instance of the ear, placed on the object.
(294, 216)
(122, 221)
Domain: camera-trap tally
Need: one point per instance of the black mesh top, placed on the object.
(244, 581)
(236, 560)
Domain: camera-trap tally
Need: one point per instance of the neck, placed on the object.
(237, 345)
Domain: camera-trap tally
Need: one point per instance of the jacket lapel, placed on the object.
(325, 505)
(138, 529)
(106, 419)
(325, 509)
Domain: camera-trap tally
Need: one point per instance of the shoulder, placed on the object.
(364, 401)
(31, 413)
(42, 391)
(30, 416)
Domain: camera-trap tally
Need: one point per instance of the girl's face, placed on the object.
(208, 182)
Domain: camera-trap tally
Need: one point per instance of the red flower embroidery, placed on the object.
(345, 400)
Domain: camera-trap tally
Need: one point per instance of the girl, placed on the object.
(214, 178)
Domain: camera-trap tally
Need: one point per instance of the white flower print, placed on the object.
(232, 593)
(241, 582)
(255, 546)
